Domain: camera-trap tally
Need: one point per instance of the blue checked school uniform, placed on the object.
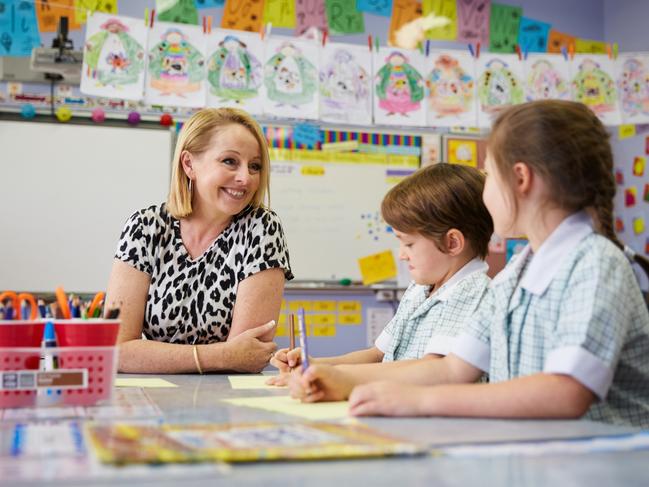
(573, 308)
(428, 324)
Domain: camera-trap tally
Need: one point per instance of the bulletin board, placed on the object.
(67, 191)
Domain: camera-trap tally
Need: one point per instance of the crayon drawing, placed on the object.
(113, 58)
(291, 78)
(234, 70)
(499, 85)
(451, 90)
(593, 85)
(633, 87)
(345, 84)
(176, 71)
(399, 87)
(547, 77)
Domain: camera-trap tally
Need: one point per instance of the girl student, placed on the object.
(443, 230)
(563, 331)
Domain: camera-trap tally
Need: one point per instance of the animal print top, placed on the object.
(191, 300)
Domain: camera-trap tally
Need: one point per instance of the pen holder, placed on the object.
(94, 342)
(15, 334)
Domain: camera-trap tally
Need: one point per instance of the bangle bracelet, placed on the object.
(198, 363)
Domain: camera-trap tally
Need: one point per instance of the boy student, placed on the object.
(563, 331)
(443, 230)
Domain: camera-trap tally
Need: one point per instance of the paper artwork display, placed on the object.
(113, 58)
(399, 87)
(500, 85)
(547, 77)
(593, 86)
(346, 84)
(633, 87)
(234, 70)
(451, 90)
(291, 78)
(176, 69)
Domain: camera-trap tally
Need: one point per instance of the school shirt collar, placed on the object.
(445, 291)
(547, 261)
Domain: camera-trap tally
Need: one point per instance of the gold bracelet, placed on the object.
(198, 363)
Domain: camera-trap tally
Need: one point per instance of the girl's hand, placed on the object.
(280, 380)
(285, 359)
(387, 399)
(320, 382)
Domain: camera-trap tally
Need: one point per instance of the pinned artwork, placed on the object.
(399, 87)
(638, 166)
(346, 84)
(452, 90)
(633, 86)
(114, 59)
(547, 77)
(291, 78)
(176, 70)
(593, 86)
(234, 70)
(630, 195)
(499, 85)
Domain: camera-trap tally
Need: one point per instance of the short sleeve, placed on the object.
(384, 340)
(134, 246)
(267, 247)
(473, 344)
(595, 315)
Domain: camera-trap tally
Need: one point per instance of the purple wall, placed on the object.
(625, 22)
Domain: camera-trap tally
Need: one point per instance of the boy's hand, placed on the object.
(387, 399)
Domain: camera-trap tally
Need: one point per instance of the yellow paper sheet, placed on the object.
(143, 382)
(319, 411)
(250, 382)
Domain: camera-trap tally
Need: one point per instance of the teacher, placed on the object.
(199, 280)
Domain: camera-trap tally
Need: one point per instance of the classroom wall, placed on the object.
(625, 22)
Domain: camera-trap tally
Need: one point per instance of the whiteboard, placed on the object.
(65, 193)
(331, 214)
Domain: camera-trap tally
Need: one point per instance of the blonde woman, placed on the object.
(201, 277)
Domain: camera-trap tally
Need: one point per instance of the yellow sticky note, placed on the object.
(626, 131)
(638, 225)
(82, 7)
(313, 171)
(257, 381)
(324, 306)
(324, 330)
(325, 319)
(377, 267)
(638, 166)
(153, 382)
(286, 405)
(350, 319)
(281, 13)
(349, 306)
(444, 8)
(589, 46)
(281, 331)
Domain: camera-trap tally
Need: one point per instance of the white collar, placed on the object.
(471, 267)
(547, 261)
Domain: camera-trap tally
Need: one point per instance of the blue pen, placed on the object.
(51, 361)
(303, 342)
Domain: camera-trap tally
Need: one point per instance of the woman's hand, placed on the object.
(320, 382)
(247, 353)
(387, 399)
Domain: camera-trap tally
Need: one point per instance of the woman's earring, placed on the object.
(189, 187)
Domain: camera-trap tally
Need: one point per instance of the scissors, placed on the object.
(17, 299)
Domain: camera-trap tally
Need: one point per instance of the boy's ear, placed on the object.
(455, 242)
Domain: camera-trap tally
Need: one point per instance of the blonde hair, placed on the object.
(195, 138)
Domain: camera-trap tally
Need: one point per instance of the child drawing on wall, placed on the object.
(633, 86)
(498, 87)
(175, 65)
(544, 82)
(450, 87)
(290, 78)
(234, 73)
(400, 86)
(343, 82)
(594, 87)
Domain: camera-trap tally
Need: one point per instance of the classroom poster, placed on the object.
(473, 21)
(500, 85)
(310, 13)
(291, 78)
(234, 70)
(632, 78)
(18, 28)
(399, 87)
(176, 69)
(547, 77)
(113, 58)
(451, 89)
(346, 84)
(593, 85)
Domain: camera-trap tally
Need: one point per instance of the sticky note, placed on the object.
(443, 8)
(18, 28)
(280, 13)
(293, 407)
(310, 13)
(312, 171)
(324, 306)
(324, 330)
(349, 307)
(377, 267)
(184, 12)
(638, 225)
(626, 131)
(294, 306)
(324, 319)
(350, 319)
(243, 15)
(307, 134)
(638, 166)
(343, 18)
(589, 46)
(473, 21)
(152, 382)
(558, 40)
(257, 381)
(503, 27)
(380, 7)
(403, 11)
(533, 35)
(630, 195)
(619, 225)
(49, 13)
